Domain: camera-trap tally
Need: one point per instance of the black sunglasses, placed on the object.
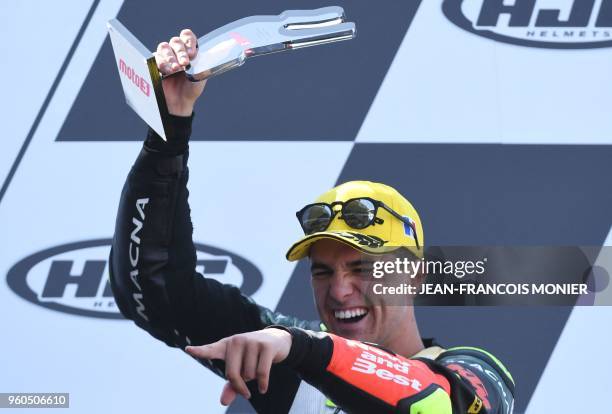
(358, 213)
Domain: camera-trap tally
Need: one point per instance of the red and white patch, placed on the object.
(387, 377)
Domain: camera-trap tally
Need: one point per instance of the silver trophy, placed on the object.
(219, 51)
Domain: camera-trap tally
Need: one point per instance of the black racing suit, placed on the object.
(153, 277)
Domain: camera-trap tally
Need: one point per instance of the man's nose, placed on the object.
(341, 286)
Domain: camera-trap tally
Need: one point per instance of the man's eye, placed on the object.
(363, 271)
(322, 274)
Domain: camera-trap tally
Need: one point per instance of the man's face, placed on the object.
(341, 282)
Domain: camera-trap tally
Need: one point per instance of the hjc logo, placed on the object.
(137, 80)
(579, 24)
(73, 278)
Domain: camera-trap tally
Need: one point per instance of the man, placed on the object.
(279, 363)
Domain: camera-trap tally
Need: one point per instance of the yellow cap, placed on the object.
(375, 239)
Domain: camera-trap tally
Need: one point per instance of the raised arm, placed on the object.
(153, 258)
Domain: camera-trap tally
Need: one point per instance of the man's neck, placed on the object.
(407, 341)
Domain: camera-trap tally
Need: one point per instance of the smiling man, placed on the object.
(346, 230)
(282, 364)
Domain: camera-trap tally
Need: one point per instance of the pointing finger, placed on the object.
(211, 351)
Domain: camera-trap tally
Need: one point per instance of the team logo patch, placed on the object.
(364, 239)
(476, 406)
(385, 376)
(475, 382)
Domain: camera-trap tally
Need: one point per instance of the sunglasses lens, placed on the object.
(359, 213)
(316, 218)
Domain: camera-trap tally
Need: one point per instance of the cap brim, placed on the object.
(361, 242)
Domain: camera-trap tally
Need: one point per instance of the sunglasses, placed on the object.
(358, 213)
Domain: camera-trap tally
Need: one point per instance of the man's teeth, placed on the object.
(350, 313)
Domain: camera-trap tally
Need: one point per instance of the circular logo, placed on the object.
(577, 25)
(73, 278)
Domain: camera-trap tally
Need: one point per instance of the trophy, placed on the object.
(223, 49)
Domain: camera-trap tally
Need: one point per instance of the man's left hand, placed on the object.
(247, 356)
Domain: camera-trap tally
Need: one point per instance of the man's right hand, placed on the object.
(172, 57)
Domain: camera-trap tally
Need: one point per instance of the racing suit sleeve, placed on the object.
(363, 378)
(153, 262)
(153, 258)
